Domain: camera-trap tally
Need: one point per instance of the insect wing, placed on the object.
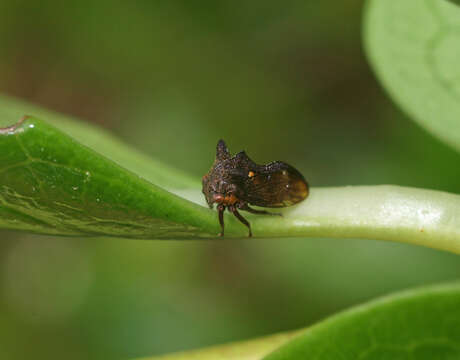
(275, 185)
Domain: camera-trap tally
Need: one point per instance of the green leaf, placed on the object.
(243, 350)
(414, 47)
(417, 324)
(101, 142)
(53, 184)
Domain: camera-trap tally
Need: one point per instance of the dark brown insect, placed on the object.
(236, 181)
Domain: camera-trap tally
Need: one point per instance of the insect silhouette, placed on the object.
(235, 182)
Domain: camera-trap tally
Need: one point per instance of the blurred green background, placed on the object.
(282, 80)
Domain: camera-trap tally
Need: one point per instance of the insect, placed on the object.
(235, 182)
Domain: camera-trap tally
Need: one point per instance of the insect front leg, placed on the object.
(235, 212)
(245, 207)
(221, 209)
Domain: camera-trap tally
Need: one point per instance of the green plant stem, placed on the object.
(386, 212)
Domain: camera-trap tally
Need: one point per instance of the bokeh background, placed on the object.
(282, 80)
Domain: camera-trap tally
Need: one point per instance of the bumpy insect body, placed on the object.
(235, 182)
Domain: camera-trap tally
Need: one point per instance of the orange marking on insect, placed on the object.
(301, 189)
(230, 200)
(218, 198)
(251, 174)
(226, 200)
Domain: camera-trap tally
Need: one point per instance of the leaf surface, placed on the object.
(241, 350)
(414, 48)
(417, 324)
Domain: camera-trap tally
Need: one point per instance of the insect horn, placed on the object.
(222, 152)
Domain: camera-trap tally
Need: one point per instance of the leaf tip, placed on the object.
(9, 130)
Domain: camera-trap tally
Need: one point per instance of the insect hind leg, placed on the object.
(245, 207)
(221, 209)
(235, 212)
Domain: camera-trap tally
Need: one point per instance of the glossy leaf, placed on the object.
(414, 47)
(419, 324)
(416, 324)
(51, 183)
(11, 110)
(242, 350)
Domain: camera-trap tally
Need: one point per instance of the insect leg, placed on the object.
(235, 212)
(244, 206)
(221, 209)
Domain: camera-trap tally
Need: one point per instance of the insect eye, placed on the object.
(251, 174)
